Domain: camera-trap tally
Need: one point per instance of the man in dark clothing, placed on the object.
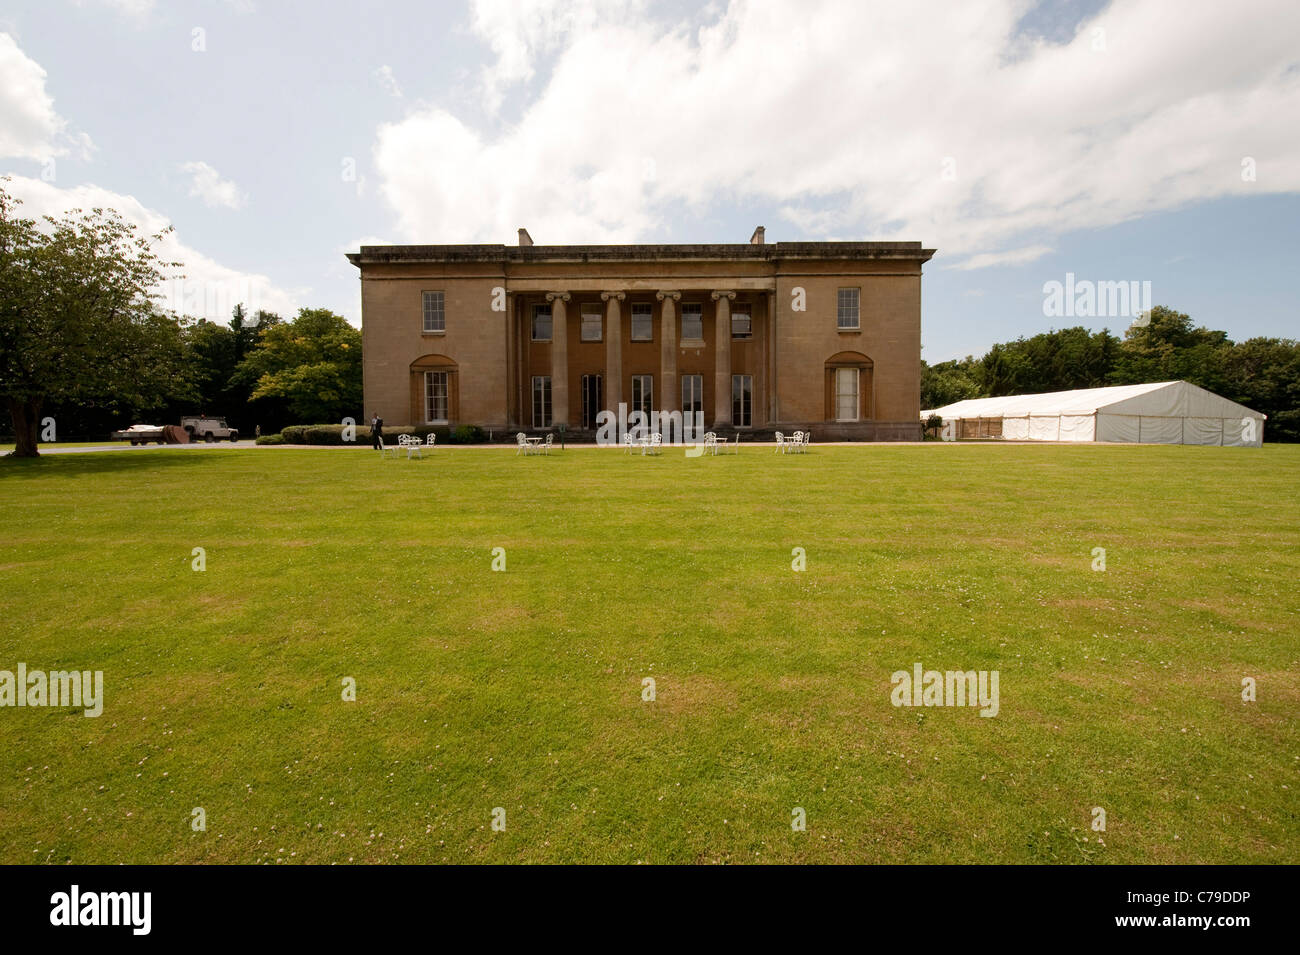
(376, 429)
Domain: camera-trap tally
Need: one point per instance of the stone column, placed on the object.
(670, 395)
(722, 360)
(613, 350)
(559, 358)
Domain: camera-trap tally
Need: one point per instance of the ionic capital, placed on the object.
(617, 296)
(727, 295)
(674, 295)
(562, 296)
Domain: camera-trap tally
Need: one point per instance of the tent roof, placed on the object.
(1158, 399)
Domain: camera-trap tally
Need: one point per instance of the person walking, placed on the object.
(376, 430)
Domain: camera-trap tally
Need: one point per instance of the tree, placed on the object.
(950, 381)
(313, 363)
(77, 318)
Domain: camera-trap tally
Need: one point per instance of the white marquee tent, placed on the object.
(1167, 412)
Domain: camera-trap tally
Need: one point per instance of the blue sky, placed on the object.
(1024, 141)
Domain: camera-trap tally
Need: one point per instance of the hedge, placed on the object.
(332, 434)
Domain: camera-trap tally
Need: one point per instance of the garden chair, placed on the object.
(385, 450)
(780, 443)
(550, 442)
(522, 440)
(430, 440)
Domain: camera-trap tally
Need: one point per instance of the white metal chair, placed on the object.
(780, 443)
(523, 448)
(807, 440)
(413, 446)
(794, 444)
(385, 450)
(550, 442)
(430, 440)
(628, 444)
(710, 442)
(656, 444)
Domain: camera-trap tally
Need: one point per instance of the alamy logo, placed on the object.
(947, 688)
(103, 908)
(1088, 299)
(60, 688)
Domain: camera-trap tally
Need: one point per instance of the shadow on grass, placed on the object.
(98, 462)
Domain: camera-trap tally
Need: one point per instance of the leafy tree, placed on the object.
(950, 381)
(77, 318)
(313, 363)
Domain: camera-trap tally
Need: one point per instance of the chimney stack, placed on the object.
(757, 237)
(525, 238)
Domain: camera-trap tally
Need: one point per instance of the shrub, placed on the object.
(270, 439)
(467, 434)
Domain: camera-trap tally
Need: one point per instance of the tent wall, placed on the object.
(1078, 427)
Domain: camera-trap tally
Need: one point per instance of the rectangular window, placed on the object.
(692, 403)
(642, 322)
(741, 325)
(541, 323)
(846, 394)
(848, 308)
(435, 397)
(435, 318)
(692, 323)
(742, 397)
(591, 322)
(642, 395)
(541, 401)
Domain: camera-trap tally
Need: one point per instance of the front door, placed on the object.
(591, 400)
(846, 394)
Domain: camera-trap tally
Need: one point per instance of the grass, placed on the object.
(523, 689)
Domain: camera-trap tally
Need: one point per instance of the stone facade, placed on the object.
(459, 334)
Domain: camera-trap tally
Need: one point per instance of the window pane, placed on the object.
(742, 387)
(846, 394)
(848, 308)
(435, 396)
(692, 322)
(434, 318)
(591, 323)
(542, 401)
(642, 394)
(541, 323)
(741, 325)
(642, 323)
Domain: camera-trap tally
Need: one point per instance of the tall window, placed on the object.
(642, 395)
(742, 399)
(741, 325)
(692, 323)
(435, 318)
(846, 394)
(435, 397)
(591, 321)
(541, 401)
(692, 401)
(642, 323)
(541, 323)
(848, 308)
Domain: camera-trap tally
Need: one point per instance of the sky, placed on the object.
(1148, 141)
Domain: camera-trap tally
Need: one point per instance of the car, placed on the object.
(209, 429)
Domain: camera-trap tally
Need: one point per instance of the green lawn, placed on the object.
(523, 690)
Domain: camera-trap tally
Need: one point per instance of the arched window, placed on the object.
(434, 390)
(849, 391)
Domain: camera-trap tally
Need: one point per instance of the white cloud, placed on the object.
(843, 117)
(388, 81)
(30, 128)
(1009, 257)
(133, 9)
(206, 183)
(207, 289)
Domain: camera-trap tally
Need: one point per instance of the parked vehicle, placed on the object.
(209, 429)
(141, 434)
